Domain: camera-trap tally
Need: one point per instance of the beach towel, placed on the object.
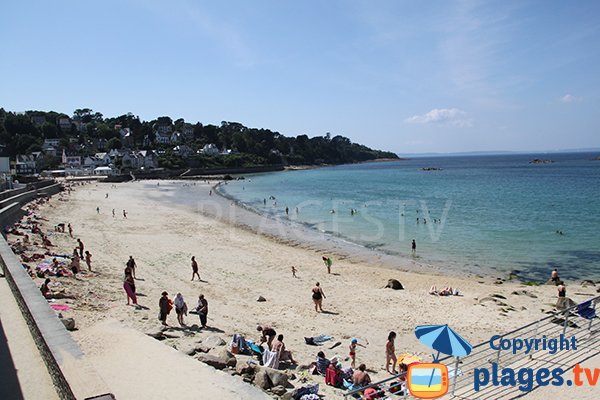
(270, 359)
(60, 307)
(254, 348)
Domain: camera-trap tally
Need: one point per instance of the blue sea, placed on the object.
(479, 214)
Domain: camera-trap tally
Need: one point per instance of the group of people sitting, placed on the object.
(447, 291)
(275, 351)
(347, 378)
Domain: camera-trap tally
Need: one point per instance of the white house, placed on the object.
(210, 150)
(150, 159)
(26, 164)
(104, 171)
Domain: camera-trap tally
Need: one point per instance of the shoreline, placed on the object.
(238, 265)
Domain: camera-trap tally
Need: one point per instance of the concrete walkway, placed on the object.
(136, 366)
(23, 374)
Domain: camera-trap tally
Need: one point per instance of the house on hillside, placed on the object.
(176, 137)
(187, 131)
(162, 138)
(209, 150)
(64, 123)
(149, 159)
(183, 151)
(26, 164)
(104, 157)
(38, 120)
(71, 160)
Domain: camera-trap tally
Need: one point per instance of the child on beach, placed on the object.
(195, 268)
(327, 261)
(390, 353)
(353, 344)
(88, 260)
(294, 271)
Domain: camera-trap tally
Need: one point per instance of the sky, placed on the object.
(405, 76)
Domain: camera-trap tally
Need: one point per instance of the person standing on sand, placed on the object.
(113, 212)
(88, 260)
(327, 261)
(70, 229)
(202, 310)
(353, 344)
(195, 269)
(164, 305)
(80, 244)
(318, 296)
(132, 265)
(129, 286)
(414, 247)
(124, 214)
(180, 308)
(390, 353)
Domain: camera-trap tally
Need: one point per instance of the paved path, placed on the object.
(23, 374)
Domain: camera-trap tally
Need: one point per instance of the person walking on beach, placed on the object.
(164, 305)
(97, 210)
(70, 229)
(124, 214)
(390, 353)
(353, 344)
(202, 310)
(327, 261)
(80, 245)
(129, 286)
(414, 247)
(88, 260)
(318, 296)
(195, 269)
(294, 270)
(113, 212)
(180, 308)
(132, 265)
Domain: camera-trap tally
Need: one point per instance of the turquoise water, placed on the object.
(493, 213)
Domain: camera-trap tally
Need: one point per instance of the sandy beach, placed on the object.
(237, 266)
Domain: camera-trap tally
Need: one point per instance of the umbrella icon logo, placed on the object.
(428, 381)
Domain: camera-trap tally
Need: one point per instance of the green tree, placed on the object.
(114, 143)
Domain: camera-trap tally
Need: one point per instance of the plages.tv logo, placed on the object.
(430, 380)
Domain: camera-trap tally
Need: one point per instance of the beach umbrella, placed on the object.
(443, 339)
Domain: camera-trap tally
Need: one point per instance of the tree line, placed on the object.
(24, 133)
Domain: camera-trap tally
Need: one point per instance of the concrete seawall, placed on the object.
(73, 378)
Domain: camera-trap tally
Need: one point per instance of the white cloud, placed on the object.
(442, 116)
(569, 98)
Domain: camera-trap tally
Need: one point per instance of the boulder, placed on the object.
(69, 323)
(278, 390)
(261, 299)
(524, 293)
(213, 341)
(394, 284)
(278, 378)
(156, 334)
(187, 348)
(213, 361)
(587, 283)
(202, 348)
(245, 368)
(261, 379)
(225, 354)
(564, 303)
